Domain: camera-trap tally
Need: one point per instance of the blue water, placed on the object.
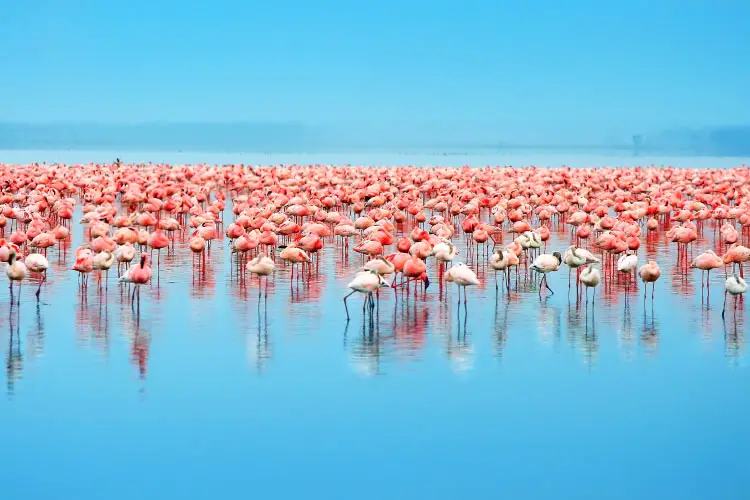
(205, 392)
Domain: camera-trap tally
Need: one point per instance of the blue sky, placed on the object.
(519, 70)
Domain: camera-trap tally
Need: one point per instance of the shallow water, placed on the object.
(206, 392)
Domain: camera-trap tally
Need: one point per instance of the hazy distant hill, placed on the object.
(715, 141)
(298, 138)
(233, 137)
(157, 136)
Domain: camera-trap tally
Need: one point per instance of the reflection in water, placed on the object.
(626, 334)
(549, 322)
(734, 335)
(581, 325)
(590, 340)
(459, 349)
(35, 337)
(650, 334)
(258, 344)
(366, 352)
(14, 358)
(501, 327)
(140, 343)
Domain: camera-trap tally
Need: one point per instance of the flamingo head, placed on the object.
(144, 257)
(426, 280)
(557, 256)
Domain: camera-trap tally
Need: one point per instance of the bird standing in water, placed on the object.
(138, 275)
(628, 263)
(261, 266)
(734, 285)
(499, 262)
(590, 277)
(16, 271)
(649, 273)
(463, 276)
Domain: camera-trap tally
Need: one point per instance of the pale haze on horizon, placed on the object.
(531, 72)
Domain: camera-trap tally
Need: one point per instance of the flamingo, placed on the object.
(84, 264)
(627, 263)
(16, 271)
(590, 277)
(499, 261)
(124, 254)
(544, 264)
(138, 275)
(576, 257)
(261, 266)
(707, 261)
(294, 256)
(734, 285)
(364, 282)
(649, 273)
(462, 276)
(37, 263)
(103, 261)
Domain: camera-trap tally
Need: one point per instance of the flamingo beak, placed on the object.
(426, 282)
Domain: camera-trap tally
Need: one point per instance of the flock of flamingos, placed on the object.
(406, 222)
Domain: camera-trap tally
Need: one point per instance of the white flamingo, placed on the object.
(590, 277)
(16, 271)
(364, 282)
(463, 276)
(734, 285)
(37, 263)
(544, 264)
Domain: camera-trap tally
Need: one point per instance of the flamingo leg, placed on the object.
(345, 306)
(41, 282)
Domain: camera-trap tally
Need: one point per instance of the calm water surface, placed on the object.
(205, 392)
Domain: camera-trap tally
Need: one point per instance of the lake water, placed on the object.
(207, 392)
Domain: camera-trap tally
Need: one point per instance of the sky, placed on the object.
(534, 72)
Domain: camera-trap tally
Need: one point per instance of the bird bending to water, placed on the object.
(37, 263)
(546, 263)
(364, 282)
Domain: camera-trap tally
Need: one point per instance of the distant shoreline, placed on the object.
(427, 158)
